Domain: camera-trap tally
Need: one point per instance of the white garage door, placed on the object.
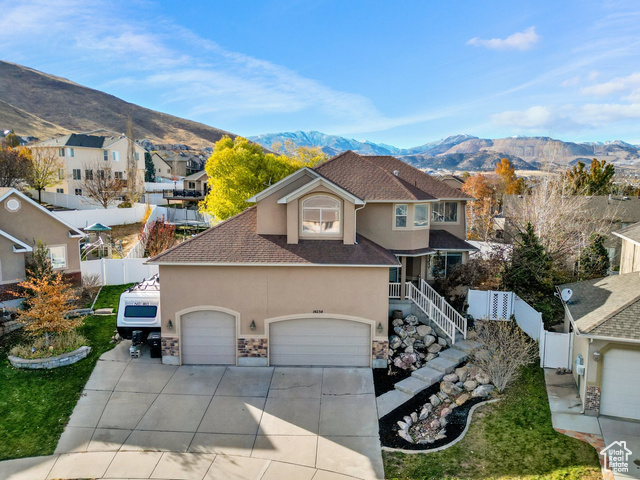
(320, 342)
(208, 338)
(620, 395)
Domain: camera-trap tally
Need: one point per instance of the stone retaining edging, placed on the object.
(51, 362)
(454, 441)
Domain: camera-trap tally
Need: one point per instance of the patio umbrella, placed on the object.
(97, 227)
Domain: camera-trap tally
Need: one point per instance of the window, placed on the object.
(70, 152)
(59, 190)
(443, 263)
(137, 156)
(88, 174)
(321, 215)
(421, 215)
(61, 152)
(78, 191)
(192, 185)
(445, 212)
(76, 174)
(401, 215)
(140, 311)
(61, 173)
(116, 156)
(105, 155)
(57, 256)
(101, 174)
(117, 175)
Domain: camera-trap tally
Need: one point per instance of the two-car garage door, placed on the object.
(621, 384)
(208, 337)
(320, 342)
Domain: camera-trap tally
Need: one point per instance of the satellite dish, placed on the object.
(566, 294)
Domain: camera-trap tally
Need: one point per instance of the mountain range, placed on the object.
(36, 104)
(466, 152)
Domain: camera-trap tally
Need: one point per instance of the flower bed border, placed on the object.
(62, 360)
(452, 442)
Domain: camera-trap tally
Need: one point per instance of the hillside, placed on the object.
(41, 105)
(466, 152)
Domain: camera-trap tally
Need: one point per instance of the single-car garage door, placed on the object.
(208, 338)
(320, 342)
(621, 384)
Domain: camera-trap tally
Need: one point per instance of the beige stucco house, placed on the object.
(303, 276)
(81, 154)
(194, 189)
(604, 316)
(24, 223)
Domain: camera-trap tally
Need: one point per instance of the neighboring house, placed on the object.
(453, 181)
(195, 189)
(303, 277)
(24, 223)
(161, 167)
(81, 153)
(604, 316)
(616, 212)
(183, 162)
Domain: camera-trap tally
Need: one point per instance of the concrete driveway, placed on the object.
(142, 419)
(615, 430)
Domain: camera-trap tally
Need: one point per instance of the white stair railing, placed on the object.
(458, 320)
(431, 309)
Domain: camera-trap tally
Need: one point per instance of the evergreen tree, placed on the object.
(594, 259)
(149, 168)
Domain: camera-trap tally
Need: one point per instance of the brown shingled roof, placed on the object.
(372, 178)
(236, 241)
(439, 240)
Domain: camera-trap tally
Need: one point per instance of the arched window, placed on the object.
(320, 215)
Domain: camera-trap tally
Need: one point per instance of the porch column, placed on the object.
(403, 278)
(423, 268)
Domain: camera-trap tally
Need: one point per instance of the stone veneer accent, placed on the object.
(380, 349)
(592, 401)
(51, 362)
(170, 346)
(252, 347)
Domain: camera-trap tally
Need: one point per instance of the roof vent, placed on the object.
(396, 172)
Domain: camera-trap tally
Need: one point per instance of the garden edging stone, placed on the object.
(62, 360)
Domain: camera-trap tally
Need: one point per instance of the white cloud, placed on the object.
(534, 117)
(630, 83)
(517, 41)
(571, 82)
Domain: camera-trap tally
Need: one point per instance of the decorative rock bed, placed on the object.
(438, 415)
(51, 362)
(413, 343)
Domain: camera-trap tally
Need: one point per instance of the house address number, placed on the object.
(318, 311)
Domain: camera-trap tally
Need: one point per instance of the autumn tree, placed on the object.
(480, 212)
(597, 180)
(15, 166)
(307, 156)
(160, 237)
(45, 169)
(39, 265)
(100, 184)
(508, 182)
(239, 169)
(49, 300)
(11, 140)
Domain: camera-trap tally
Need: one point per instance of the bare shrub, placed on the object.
(91, 283)
(63, 342)
(505, 349)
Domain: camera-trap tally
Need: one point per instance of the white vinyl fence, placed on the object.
(555, 348)
(109, 217)
(118, 271)
(159, 186)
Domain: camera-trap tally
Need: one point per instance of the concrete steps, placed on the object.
(421, 379)
(468, 346)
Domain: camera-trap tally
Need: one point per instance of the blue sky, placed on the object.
(402, 73)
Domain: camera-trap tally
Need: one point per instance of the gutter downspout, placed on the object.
(355, 223)
(586, 375)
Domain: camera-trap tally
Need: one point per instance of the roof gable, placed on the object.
(6, 192)
(320, 182)
(283, 183)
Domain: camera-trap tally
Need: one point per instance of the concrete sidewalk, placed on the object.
(158, 465)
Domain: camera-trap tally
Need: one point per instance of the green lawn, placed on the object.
(510, 439)
(35, 405)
